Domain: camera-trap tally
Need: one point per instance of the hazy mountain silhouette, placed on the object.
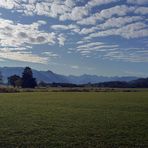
(50, 77)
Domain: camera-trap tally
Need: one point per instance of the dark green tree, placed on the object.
(27, 78)
(15, 81)
(1, 78)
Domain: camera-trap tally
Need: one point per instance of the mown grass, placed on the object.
(74, 119)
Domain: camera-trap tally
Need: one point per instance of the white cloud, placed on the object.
(91, 20)
(50, 54)
(41, 8)
(89, 48)
(89, 45)
(75, 67)
(71, 28)
(114, 22)
(87, 30)
(61, 38)
(53, 8)
(9, 4)
(126, 55)
(93, 3)
(16, 34)
(134, 30)
(117, 10)
(16, 39)
(77, 13)
(50, 8)
(142, 10)
(65, 10)
(124, 20)
(70, 3)
(139, 2)
(58, 9)
(113, 52)
(105, 14)
(22, 56)
(119, 21)
(64, 27)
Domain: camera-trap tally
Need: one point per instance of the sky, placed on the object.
(97, 37)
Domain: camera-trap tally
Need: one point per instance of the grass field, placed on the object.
(66, 119)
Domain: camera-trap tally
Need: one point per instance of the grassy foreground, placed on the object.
(66, 119)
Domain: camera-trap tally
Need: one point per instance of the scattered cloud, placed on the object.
(72, 27)
(75, 67)
(105, 14)
(142, 10)
(87, 30)
(93, 3)
(16, 39)
(80, 24)
(134, 30)
(23, 56)
(16, 34)
(8, 4)
(61, 38)
(88, 49)
(127, 55)
(139, 2)
(119, 21)
(50, 54)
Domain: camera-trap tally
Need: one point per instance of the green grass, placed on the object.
(83, 120)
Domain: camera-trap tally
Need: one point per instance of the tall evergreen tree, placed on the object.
(27, 78)
(1, 78)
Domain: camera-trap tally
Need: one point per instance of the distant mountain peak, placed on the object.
(50, 77)
(49, 71)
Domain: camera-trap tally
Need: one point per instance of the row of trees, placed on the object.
(26, 81)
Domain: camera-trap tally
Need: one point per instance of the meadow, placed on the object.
(74, 119)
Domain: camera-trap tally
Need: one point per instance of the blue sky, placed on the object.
(102, 37)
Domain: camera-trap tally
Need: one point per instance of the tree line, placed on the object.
(26, 81)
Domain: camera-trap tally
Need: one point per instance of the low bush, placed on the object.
(8, 90)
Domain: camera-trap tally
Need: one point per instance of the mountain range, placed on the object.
(50, 77)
